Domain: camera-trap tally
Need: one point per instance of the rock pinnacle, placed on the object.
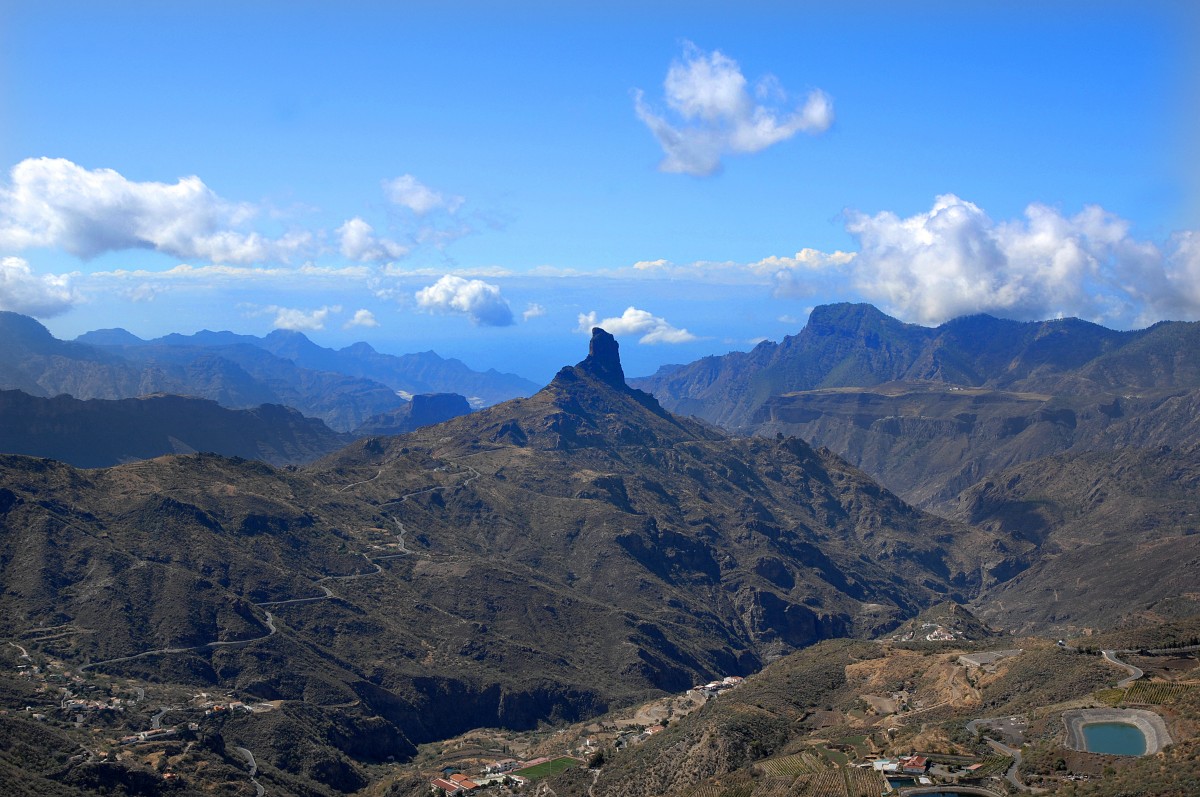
(604, 359)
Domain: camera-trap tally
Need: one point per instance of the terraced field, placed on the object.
(805, 763)
(1151, 693)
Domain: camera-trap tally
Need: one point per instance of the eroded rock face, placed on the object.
(604, 359)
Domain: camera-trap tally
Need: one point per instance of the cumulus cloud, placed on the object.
(476, 299)
(359, 242)
(533, 310)
(954, 260)
(636, 322)
(22, 291)
(362, 318)
(301, 320)
(409, 192)
(715, 114)
(55, 203)
(1181, 274)
(803, 273)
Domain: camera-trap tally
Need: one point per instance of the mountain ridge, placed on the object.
(416, 373)
(100, 433)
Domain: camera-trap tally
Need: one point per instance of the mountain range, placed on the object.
(541, 559)
(586, 547)
(424, 372)
(1078, 439)
(931, 411)
(343, 388)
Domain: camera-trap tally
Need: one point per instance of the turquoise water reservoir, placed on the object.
(1114, 738)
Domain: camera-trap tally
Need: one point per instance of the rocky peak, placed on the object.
(604, 359)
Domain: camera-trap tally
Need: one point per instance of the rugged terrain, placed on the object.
(1079, 441)
(931, 411)
(537, 561)
(985, 709)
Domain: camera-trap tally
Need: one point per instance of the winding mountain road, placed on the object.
(1134, 673)
(249, 756)
(156, 720)
(271, 631)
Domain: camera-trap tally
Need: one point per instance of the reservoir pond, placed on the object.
(1114, 738)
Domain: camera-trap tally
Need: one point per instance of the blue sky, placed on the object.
(489, 182)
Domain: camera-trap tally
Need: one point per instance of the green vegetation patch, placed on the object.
(836, 756)
(859, 743)
(547, 768)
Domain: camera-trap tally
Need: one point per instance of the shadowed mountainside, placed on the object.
(1117, 536)
(98, 433)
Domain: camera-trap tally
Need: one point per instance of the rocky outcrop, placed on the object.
(424, 409)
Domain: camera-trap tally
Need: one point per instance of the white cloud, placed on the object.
(717, 115)
(22, 291)
(407, 191)
(476, 299)
(359, 242)
(301, 320)
(145, 292)
(1181, 274)
(533, 310)
(186, 276)
(362, 318)
(955, 260)
(804, 273)
(55, 203)
(636, 322)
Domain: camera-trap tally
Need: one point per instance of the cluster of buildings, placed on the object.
(453, 782)
(152, 735)
(905, 765)
(83, 704)
(221, 708)
(939, 633)
(713, 688)
(636, 736)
